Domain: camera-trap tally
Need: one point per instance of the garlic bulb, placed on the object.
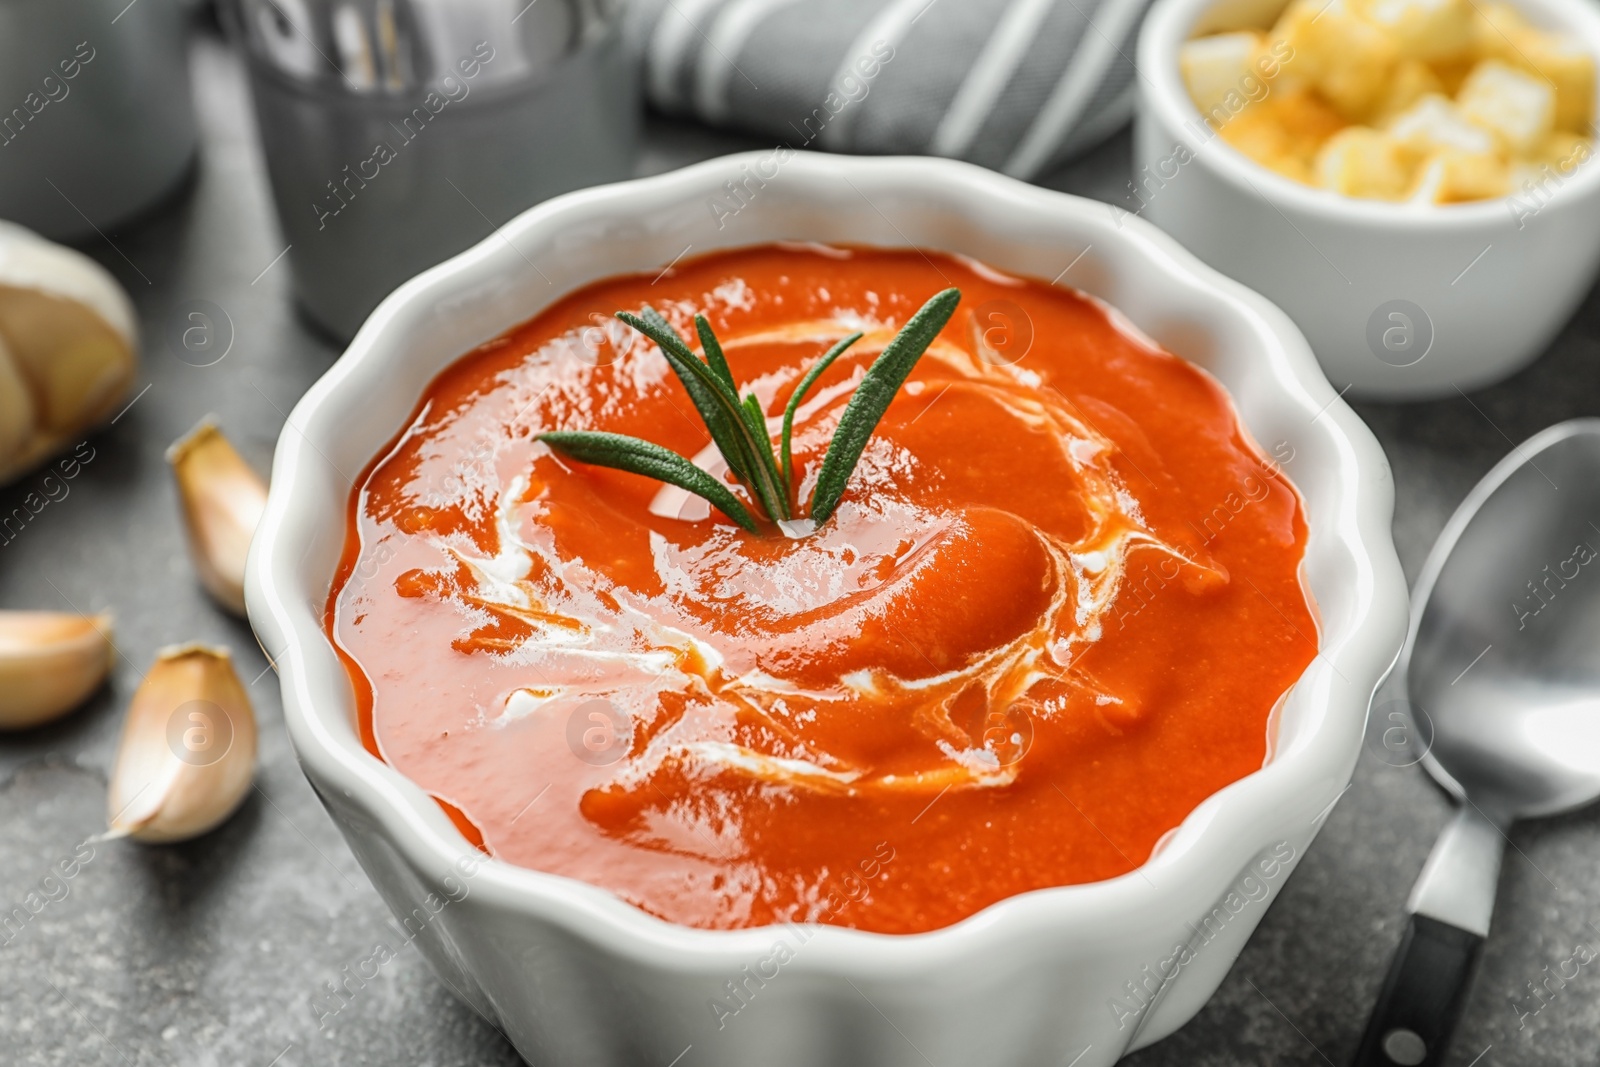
(68, 347)
(188, 749)
(222, 501)
(49, 664)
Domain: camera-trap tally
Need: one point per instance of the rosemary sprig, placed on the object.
(738, 427)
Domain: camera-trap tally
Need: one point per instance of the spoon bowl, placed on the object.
(1504, 652)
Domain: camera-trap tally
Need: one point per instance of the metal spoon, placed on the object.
(1503, 663)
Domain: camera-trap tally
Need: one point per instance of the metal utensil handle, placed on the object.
(1422, 996)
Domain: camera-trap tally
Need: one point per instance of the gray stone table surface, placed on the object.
(212, 952)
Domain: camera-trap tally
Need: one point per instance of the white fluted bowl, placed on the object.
(574, 975)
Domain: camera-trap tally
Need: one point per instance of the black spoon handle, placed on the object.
(1422, 996)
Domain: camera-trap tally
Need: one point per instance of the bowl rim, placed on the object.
(1161, 89)
(1093, 913)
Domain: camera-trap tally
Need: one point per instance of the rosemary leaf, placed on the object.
(716, 402)
(713, 351)
(799, 394)
(659, 330)
(872, 398)
(770, 486)
(623, 453)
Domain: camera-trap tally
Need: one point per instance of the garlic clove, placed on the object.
(70, 333)
(16, 407)
(188, 750)
(49, 664)
(222, 501)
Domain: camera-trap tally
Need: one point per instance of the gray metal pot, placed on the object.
(96, 121)
(399, 132)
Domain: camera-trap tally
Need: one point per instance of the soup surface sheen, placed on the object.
(1054, 611)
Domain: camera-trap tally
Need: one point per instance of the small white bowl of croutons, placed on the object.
(1413, 181)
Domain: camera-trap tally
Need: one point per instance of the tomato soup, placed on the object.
(1054, 610)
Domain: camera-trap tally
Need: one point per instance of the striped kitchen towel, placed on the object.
(1016, 85)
